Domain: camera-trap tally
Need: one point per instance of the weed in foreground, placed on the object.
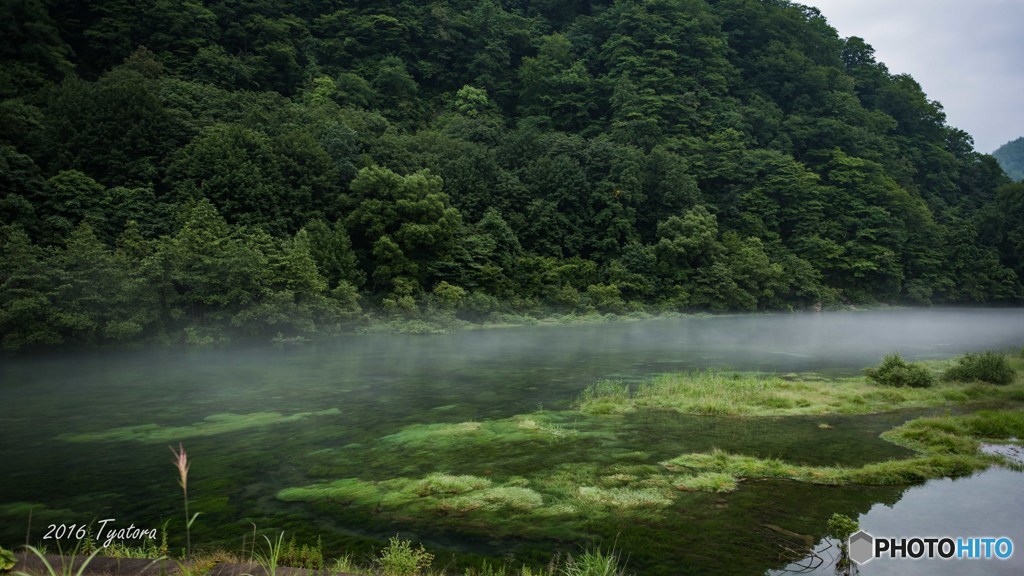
(67, 565)
(269, 560)
(400, 559)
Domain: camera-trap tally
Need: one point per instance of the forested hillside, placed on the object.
(197, 170)
(1011, 158)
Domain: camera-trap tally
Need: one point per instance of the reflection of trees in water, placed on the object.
(830, 554)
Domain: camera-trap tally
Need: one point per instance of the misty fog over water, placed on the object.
(376, 384)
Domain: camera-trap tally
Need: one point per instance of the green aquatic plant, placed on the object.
(543, 427)
(947, 447)
(991, 367)
(210, 426)
(624, 498)
(448, 484)
(708, 482)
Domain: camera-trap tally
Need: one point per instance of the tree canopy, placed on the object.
(196, 171)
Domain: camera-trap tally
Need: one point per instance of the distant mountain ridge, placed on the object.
(1011, 158)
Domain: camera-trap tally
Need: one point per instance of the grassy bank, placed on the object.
(946, 446)
(720, 393)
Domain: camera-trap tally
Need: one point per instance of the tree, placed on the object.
(400, 226)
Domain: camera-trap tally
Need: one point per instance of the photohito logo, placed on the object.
(864, 547)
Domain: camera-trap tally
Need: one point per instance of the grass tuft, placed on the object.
(593, 562)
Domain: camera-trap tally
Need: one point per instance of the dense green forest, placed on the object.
(1011, 158)
(201, 170)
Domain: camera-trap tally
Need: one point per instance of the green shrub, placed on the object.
(986, 367)
(400, 559)
(841, 526)
(895, 371)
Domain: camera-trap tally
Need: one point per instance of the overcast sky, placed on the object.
(967, 54)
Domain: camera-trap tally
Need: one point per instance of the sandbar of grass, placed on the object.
(947, 447)
(721, 393)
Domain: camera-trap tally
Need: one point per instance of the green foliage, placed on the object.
(66, 566)
(248, 171)
(894, 371)
(305, 556)
(399, 558)
(270, 558)
(991, 367)
(841, 526)
(7, 559)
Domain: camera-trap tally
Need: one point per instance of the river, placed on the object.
(85, 434)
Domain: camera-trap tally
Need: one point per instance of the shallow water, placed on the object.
(331, 404)
(988, 504)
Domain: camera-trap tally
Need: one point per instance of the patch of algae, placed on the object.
(209, 426)
(546, 427)
(439, 493)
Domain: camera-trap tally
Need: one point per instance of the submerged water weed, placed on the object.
(543, 427)
(990, 367)
(209, 426)
(624, 498)
(399, 558)
(448, 484)
(892, 472)
(438, 492)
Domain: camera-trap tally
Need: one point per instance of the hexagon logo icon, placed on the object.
(861, 546)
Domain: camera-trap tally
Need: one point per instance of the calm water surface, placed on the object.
(368, 386)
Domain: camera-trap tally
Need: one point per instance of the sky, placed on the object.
(966, 54)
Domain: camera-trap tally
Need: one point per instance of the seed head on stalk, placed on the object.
(182, 463)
